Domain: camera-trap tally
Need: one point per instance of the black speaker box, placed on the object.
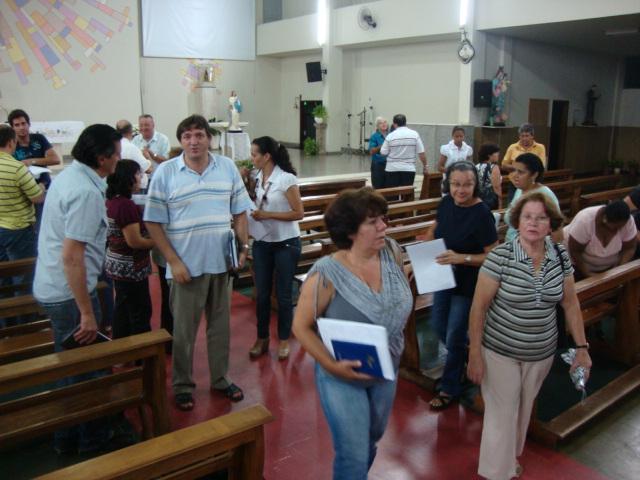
(314, 72)
(482, 93)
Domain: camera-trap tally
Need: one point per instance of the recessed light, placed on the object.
(622, 31)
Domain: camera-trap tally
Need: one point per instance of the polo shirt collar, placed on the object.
(96, 179)
(277, 171)
(528, 149)
(183, 164)
(520, 255)
(153, 139)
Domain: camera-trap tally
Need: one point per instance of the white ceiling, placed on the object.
(583, 34)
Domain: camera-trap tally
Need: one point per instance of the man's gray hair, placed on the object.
(526, 128)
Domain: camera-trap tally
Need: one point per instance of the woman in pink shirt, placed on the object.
(599, 238)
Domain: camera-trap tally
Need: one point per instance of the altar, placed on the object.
(236, 144)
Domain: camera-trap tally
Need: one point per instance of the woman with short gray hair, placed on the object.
(378, 161)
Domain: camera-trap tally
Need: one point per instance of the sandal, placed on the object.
(440, 402)
(184, 401)
(232, 392)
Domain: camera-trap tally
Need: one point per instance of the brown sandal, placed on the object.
(440, 402)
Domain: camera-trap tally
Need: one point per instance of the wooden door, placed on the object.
(539, 112)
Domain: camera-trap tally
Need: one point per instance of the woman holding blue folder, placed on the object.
(363, 281)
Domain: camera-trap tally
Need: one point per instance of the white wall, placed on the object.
(293, 82)
(629, 108)
(539, 70)
(508, 13)
(420, 80)
(131, 84)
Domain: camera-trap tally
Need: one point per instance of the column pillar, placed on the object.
(332, 96)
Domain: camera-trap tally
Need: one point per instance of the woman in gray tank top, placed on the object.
(364, 282)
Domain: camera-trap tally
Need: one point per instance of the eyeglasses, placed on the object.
(534, 220)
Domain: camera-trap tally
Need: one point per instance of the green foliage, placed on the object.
(244, 164)
(321, 112)
(615, 163)
(310, 146)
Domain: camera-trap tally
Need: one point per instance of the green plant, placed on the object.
(214, 131)
(310, 146)
(320, 111)
(248, 164)
(615, 163)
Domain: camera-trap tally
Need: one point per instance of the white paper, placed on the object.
(358, 332)
(257, 229)
(36, 171)
(233, 250)
(430, 275)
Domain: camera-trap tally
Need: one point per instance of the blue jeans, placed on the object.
(278, 259)
(357, 415)
(450, 320)
(91, 435)
(14, 245)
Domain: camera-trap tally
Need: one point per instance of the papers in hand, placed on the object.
(257, 229)
(368, 343)
(430, 275)
(36, 171)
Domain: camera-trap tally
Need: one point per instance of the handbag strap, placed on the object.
(555, 245)
(488, 167)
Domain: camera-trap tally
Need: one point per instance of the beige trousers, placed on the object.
(509, 388)
(211, 294)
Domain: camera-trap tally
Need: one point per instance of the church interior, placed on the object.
(320, 77)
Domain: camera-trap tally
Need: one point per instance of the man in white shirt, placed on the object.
(130, 152)
(154, 145)
(402, 147)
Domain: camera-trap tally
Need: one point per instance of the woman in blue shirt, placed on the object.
(378, 162)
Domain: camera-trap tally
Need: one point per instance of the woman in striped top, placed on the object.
(510, 354)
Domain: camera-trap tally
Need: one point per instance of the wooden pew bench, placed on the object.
(329, 186)
(44, 412)
(601, 198)
(317, 204)
(233, 442)
(25, 341)
(569, 191)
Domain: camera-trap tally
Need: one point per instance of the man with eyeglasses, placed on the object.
(190, 203)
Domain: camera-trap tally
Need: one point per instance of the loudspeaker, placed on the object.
(482, 93)
(632, 72)
(314, 72)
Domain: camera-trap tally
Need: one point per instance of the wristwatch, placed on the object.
(467, 259)
(245, 246)
(585, 346)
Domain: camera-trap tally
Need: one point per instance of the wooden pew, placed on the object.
(569, 191)
(317, 204)
(42, 413)
(625, 281)
(605, 197)
(431, 185)
(16, 268)
(25, 341)
(329, 187)
(233, 442)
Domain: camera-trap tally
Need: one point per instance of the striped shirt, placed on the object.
(402, 147)
(17, 188)
(521, 321)
(195, 210)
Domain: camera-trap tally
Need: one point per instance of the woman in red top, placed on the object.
(127, 261)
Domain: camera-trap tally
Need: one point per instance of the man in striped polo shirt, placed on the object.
(18, 193)
(402, 147)
(189, 207)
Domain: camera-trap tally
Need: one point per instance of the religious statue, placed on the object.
(499, 84)
(593, 94)
(235, 107)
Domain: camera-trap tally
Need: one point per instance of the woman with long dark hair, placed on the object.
(276, 251)
(127, 261)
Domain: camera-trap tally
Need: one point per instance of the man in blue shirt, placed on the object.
(190, 203)
(71, 251)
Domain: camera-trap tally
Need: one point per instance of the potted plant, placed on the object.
(215, 138)
(310, 146)
(320, 114)
(615, 166)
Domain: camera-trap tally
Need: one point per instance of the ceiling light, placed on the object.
(622, 31)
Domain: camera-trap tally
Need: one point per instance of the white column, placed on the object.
(332, 97)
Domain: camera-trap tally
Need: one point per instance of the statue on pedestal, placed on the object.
(235, 107)
(593, 94)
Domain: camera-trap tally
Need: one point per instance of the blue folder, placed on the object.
(367, 354)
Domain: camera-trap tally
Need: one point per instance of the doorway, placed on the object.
(558, 133)
(307, 123)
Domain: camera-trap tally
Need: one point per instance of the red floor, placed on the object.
(418, 444)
